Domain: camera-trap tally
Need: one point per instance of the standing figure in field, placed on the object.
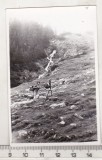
(35, 90)
(49, 88)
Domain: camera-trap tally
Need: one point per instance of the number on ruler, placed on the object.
(25, 154)
(41, 154)
(9, 154)
(73, 155)
(58, 155)
(89, 154)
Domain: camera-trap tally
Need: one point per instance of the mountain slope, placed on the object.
(69, 115)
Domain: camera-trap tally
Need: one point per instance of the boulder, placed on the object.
(22, 133)
(73, 107)
(54, 105)
(62, 123)
(78, 116)
(73, 125)
(62, 104)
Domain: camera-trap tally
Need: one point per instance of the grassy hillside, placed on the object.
(69, 115)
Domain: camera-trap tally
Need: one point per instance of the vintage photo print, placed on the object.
(52, 74)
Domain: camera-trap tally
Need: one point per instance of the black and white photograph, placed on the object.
(53, 74)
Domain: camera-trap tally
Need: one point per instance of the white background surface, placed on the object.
(4, 4)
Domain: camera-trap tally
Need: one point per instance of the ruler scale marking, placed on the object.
(51, 151)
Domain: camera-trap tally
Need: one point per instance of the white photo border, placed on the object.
(11, 4)
(97, 93)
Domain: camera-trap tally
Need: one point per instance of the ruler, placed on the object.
(50, 152)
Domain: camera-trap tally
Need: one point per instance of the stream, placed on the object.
(50, 63)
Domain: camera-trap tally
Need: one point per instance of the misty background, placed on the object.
(34, 33)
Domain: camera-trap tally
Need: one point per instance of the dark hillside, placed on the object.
(28, 44)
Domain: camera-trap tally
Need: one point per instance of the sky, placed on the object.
(61, 19)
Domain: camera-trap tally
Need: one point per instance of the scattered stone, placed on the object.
(78, 116)
(54, 105)
(42, 97)
(43, 132)
(22, 133)
(16, 92)
(68, 136)
(52, 129)
(62, 104)
(61, 118)
(82, 94)
(27, 89)
(62, 81)
(14, 117)
(43, 114)
(25, 106)
(28, 137)
(62, 122)
(73, 107)
(53, 98)
(61, 138)
(26, 121)
(30, 97)
(73, 125)
(13, 123)
(55, 136)
(49, 134)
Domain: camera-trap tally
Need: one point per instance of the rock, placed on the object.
(73, 107)
(27, 90)
(22, 133)
(62, 81)
(55, 136)
(61, 118)
(52, 129)
(62, 122)
(42, 97)
(68, 137)
(49, 134)
(16, 92)
(53, 98)
(44, 132)
(43, 114)
(14, 117)
(25, 106)
(78, 116)
(54, 105)
(64, 138)
(26, 121)
(62, 104)
(82, 94)
(29, 137)
(73, 125)
(13, 122)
